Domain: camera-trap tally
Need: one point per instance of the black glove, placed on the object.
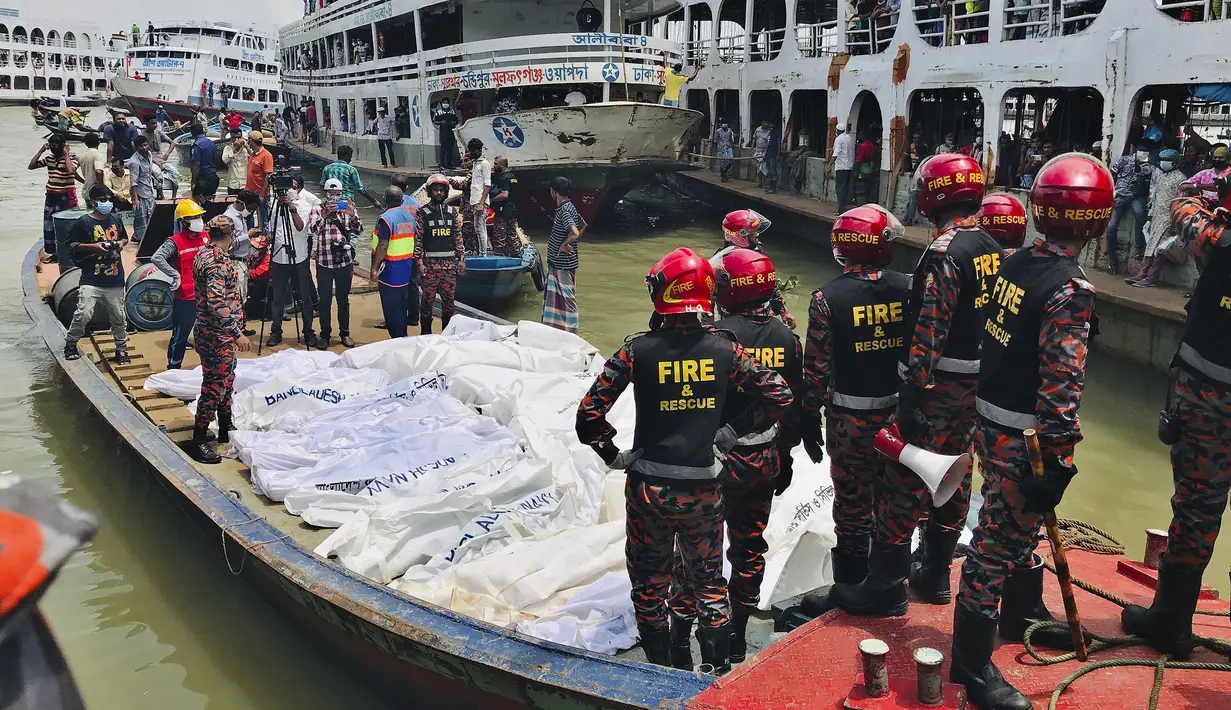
(606, 451)
(1043, 494)
(786, 471)
(912, 425)
(813, 437)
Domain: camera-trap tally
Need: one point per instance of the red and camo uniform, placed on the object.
(219, 324)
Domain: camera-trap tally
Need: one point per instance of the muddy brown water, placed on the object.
(148, 613)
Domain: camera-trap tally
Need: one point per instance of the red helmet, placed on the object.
(1004, 217)
(741, 226)
(1072, 197)
(751, 278)
(863, 234)
(681, 282)
(438, 179)
(948, 178)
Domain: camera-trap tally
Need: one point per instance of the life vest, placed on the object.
(186, 247)
(1205, 348)
(774, 346)
(439, 231)
(978, 258)
(399, 255)
(680, 387)
(871, 330)
(1009, 378)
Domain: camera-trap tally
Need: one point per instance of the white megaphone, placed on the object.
(942, 474)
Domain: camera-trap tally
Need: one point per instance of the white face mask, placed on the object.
(196, 225)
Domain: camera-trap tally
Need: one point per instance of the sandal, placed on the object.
(71, 351)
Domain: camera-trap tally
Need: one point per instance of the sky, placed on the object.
(266, 15)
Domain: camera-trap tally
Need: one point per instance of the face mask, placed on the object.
(1220, 164)
(1166, 165)
(243, 211)
(196, 225)
(103, 207)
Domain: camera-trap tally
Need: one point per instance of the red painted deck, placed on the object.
(815, 665)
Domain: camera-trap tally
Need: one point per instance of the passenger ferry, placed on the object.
(507, 68)
(171, 65)
(54, 58)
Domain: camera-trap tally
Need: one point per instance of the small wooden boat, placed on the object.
(492, 281)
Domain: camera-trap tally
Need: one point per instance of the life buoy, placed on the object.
(589, 18)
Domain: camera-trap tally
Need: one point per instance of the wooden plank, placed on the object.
(158, 405)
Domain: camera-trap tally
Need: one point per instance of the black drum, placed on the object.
(64, 293)
(148, 298)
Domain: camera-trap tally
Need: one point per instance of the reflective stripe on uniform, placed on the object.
(683, 473)
(759, 438)
(848, 401)
(1212, 370)
(1005, 417)
(961, 367)
(440, 254)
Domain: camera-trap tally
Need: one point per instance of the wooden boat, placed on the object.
(446, 660)
(493, 281)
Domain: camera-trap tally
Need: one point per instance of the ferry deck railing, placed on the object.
(1209, 9)
(819, 39)
(697, 52)
(860, 40)
(731, 47)
(489, 55)
(767, 44)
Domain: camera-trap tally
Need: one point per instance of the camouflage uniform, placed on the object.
(663, 513)
(1007, 533)
(438, 275)
(219, 324)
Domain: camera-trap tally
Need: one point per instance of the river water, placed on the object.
(150, 617)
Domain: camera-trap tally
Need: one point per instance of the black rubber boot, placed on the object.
(200, 450)
(1168, 624)
(738, 648)
(1022, 605)
(849, 567)
(225, 427)
(681, 643)
(425, 326)
(974, 636)
(929, 577)
(882, 593)
(715, 648)
(656, 644)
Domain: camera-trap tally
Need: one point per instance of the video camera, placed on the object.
(283, 175)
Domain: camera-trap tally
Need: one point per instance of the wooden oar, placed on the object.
(1057, 550)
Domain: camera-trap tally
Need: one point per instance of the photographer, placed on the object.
(289, 260)
(95, 242)
(61, 192)
(336, 226)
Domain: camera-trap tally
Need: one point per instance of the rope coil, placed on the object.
(1075, 533)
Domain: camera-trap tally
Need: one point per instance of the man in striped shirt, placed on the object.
(342, 171)
(560, 295)
(61, 191)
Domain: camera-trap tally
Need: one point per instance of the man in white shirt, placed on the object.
(235, 157)
(384, 136)
(284, 272)
(843, 166)
(92, 163)
(575, 98)
(480, 184)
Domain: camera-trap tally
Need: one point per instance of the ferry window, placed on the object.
(21, 83)
(369, 115)
(726, 108)
(245, 66)
(401, 117)
(354, 116)
(1182, 115)
(40, 83)
(396, 37)
(442, 25)
(55, 83)
(19, 35)
(816, 29)
(1188, 11)
(943, 120)
(231, 63)
(768, 29)
(343, 124)
(249, 94)
(100, 85)
(5, 81)
(4, 57)
(949, 24)
(810, 119)
(1037, 124)
(87, 85)
(4, 32)
(1045, 18)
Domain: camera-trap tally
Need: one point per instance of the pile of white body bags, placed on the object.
(450, 468)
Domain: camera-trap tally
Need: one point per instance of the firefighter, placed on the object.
(1197, 426)
(439, 254)
(857, 329)
(685, 375)
(1039, 318)
(218, 336)
(742, 229)
(1003, 217)
(760, 465)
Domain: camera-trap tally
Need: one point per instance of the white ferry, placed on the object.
(169, 67)
(54, 58)
(507, 68)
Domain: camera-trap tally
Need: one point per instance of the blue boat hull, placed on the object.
(492, 281)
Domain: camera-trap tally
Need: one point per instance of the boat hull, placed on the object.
(491, 281)
(404, 646)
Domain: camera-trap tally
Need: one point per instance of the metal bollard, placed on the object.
(927, 668)
(874, 653)
(1156, 545)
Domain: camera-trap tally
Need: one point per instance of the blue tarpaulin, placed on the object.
(1219, 93)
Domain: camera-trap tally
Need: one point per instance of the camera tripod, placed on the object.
(281, 236)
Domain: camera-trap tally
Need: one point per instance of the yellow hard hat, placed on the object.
(188, 209)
